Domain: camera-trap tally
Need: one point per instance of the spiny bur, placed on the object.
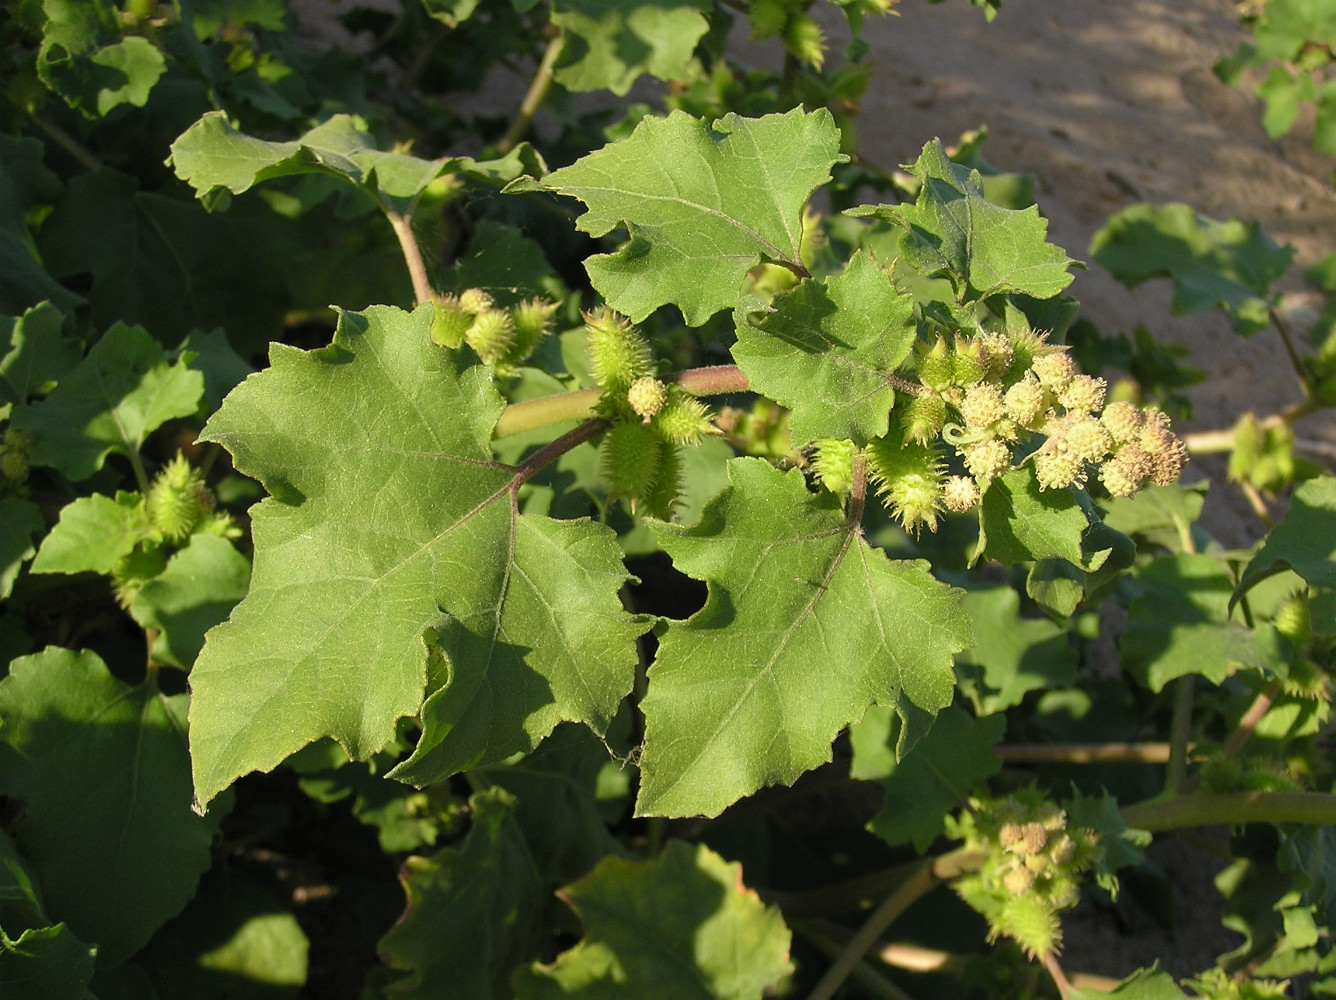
(618, 354)
(630, 458)
(177, 500)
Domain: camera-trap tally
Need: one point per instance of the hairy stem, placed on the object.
(1176, 812)
(536, 94)
(857, 491)
(550, 453)
(579, 404)
(1050, 960)
(402, 225)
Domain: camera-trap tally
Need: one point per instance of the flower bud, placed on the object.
(647, 396)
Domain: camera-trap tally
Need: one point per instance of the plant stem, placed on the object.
(402, 225)
(1180, 729)
(1298, 365)
(141, 474)
(67, 142)
(579, 404)
(1176, 812)
(917, 885)
(842, 897)
(857, 491)
(551, 452)
(862, 973)
(1085, 753)
(1248, 723)
(1050, 961)
(536, 94)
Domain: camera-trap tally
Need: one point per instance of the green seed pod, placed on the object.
(647, 397)
(934, 365)
(1294, 620)
(909, 479)
(833, 463)
(532, 320)
(629, 459)
(663, 496)
(683, 419)
(618, 355)
(177, 500)
(767, 17)
(805, 40)
(924, 417)
(1030, 921)
(967, 363)
(491, 334)
(450, 322)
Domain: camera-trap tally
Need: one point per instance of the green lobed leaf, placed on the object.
(90, 755)
(952, 229)
(45, 963)
(213, 157)
(33, 352)
(681, 926)
(1180, 625)
(391, 534)
(1011, 656)
(1121, 846)
(1233, 265)
(609, 43)
(199, 588)
(805, 627)
(1305, 541)
(1284, 27)
(120, 393)
(1021, 522)
(933, 779)
(84, 59)
(19, 522)
(94, 534)
(471, 912)
(828, 350)
(703, 205)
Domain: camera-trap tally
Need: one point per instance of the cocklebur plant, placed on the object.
(566, 548)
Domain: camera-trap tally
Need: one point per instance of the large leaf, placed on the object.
(805, 627)
(214, 158)
(25, 184)
(94, 533)
(1180, 625)
(828, 350)
(703, 205)
(609, 43)
(1231, 264)
(391, 534)
(1305, 541)
(953, 230)
(679, 927)
(93, 755)
(934, 778)
(120, 393)
(165, 263)
(472, 911)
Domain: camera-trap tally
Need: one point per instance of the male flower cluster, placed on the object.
(988, 397)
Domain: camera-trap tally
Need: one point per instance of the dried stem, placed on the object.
(1085, 753)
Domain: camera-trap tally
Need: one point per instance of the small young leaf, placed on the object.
(120, 393)
(682, 925)
(826, 350)
(93, 754)
(703, 204)
(953, 230)
(806, 626)
(94, 533)
(1231, 264)
(33, 352)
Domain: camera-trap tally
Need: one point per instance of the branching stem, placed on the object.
(551, 452)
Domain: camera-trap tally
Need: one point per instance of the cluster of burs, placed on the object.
(991, 399)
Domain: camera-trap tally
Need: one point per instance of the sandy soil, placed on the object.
(1108, 104)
